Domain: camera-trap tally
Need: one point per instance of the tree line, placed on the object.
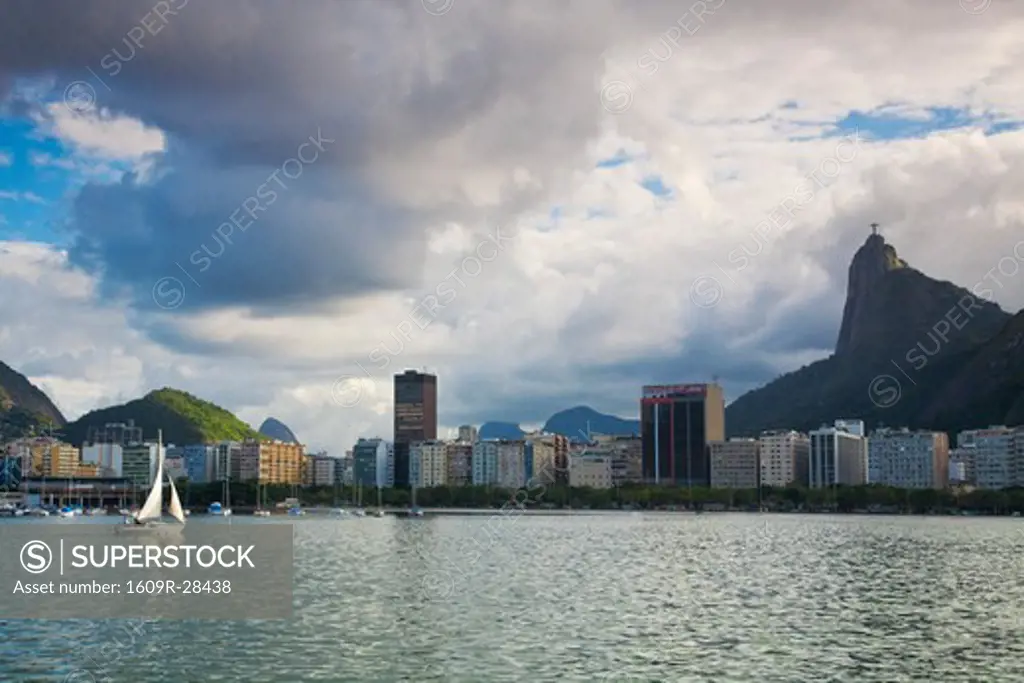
(871, 498)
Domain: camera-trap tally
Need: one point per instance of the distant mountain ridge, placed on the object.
(184, 419)
(912, 351)
(277, 430)
(24, 408)
(573, 423)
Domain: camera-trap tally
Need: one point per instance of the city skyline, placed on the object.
(537, 270)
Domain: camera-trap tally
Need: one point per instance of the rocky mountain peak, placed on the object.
(869, 267)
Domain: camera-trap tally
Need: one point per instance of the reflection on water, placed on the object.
(593, 598)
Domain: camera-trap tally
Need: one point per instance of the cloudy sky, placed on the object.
(276, 206)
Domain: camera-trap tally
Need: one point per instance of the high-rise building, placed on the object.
(199, 462)
(467, 434)
(370, 463)
(998, 455)
(735, 464)
(839, 455)
(139, 462)
(428, 463)
(908, 460)
(415, 417)
(322, 470)
(677, 422)
(785, 457)
(460, 463)
(270, 462)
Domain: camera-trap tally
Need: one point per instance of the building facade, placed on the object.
(199, 462)
(735, 464)
(677, 422)
(839, 455)
(271, 462)
(997, 455)
(962, 470)
(139, 462)
(460, 463)
(785, 457)
(908, 460)
(428, 464)
(415, 417)
(370, 463)
(485, 463)
(590, 471)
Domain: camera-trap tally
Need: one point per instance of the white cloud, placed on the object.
(5, 158)
(31, 197)
(102, 133)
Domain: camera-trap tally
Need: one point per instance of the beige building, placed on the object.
(590, 471)
(271, 462)
(545, 462)
(428, 464)
(735, 464)
(784, 458)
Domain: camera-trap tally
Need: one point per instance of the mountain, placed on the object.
(24, 408)
(988, 388)
(499, 430)
(575, 422)
(905, 341)
(277, 431)
(183, 418)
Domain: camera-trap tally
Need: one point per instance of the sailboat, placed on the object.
(148, 519)
(260, 511)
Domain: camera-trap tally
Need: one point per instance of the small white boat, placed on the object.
(415, 512)
(339, 512)
(378, 513)
(96, 512)
(261, 513)
(296, 512)
(66, 513)
(39, 512)
(359, 512)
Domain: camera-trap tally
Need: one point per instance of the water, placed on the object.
(594, 598)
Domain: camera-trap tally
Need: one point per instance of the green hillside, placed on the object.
(183, 418)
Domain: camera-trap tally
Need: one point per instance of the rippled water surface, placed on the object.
(594, 598)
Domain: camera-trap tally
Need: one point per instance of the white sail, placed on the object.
(153, 508)
(175, 507)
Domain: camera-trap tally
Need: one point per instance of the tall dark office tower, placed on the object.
(677, 421)
(415, 417)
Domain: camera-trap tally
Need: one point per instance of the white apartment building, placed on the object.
(839, 455)
(499, 463)
(590, 471)
(785, 457)
(735, 464)
(908, 460)
(962, 468)
(428, 464)
(998, 454)
(322, 470)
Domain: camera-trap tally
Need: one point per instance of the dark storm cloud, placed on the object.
(418, 108)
